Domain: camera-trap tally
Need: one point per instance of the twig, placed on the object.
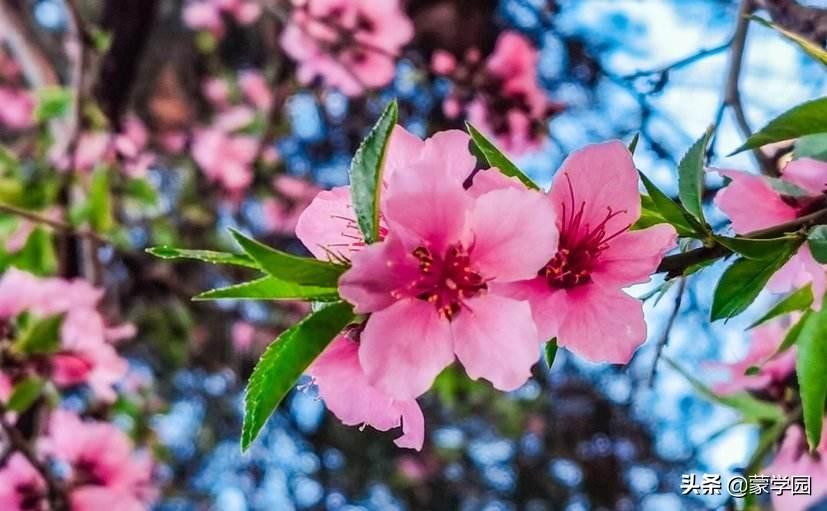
(667, 330)
(56, 493)
(691, 59)
(54, 224)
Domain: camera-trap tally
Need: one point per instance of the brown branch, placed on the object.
(54, 224)
(58, 500)
(670, 322)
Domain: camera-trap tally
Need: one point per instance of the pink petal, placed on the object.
(413, 426)
(634, 255)
(599, 178)
(492, 179)
(404, 347)
(496, 340)
(377, 272)
(548, 306)
(328, 225)
(404, 148)
(739, 199)
(450, 151)
(807, 173)
(793, 459)
(602, 325)
(800, 270)
(513, 233)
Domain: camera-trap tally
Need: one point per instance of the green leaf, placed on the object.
(271, 288)
(497, 158)
(38, 254)
(41, 336)
(283, 363)
(812, 146)
(786, 188)
(366, 173)
(207, 256)
(691, 176)
(100, 202)
(288, 267)
(805, 119)
(757, 248)
(817, 241)
(52, 102)
(142, 191)
(671, 211)
(810, 48)
(550, 351)
(793, 334)
(798, 300)
(751, 408)
(24, 394)
(633, 143)
(743, 281)
(811, 367)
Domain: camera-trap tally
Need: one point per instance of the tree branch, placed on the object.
(54, 224)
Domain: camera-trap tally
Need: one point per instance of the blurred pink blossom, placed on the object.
(243, 335)
(21, 486)
(351, 45)
(225, 159)
(795, 459)
(17, 112)
(255, 89)
(217, 91)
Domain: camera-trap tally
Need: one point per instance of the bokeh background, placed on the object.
(576, 437)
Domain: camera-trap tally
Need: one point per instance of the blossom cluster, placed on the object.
(454, 277)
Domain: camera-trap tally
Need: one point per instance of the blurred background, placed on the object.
(576, 437)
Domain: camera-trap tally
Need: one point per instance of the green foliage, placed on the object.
(496, 158)
(37, 255)
(633, 143)
(810, 48)
(798, 300)
(757, 248)
(271, 288)
(805, 119)
(550, 351)
(817, 241)
(24, 394)
(207, 256)
(288, 267)
(284, 361)
(41, 336)
(52, 102)
(812, 146)
(743, 281)
(670, 211)
(366, 172)
(811, 367)
(99, 203)
(691, 176)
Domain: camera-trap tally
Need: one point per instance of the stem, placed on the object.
(54, 224)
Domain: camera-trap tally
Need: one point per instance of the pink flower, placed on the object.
(93, 148)
(350, 44)
(793, 459)
(766, 340)
(348, 393)
(577, 296)
(516, 111)
(224, 158)
(243, 335)
(217, 91)
(21, 487)
(282, 214)
(256, 89)
(203, 15)
(443, 62)
(431, 285)
(103, 464)
(17, 112)
(738, 202)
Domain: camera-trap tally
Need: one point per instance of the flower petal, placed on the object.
(450, 150)
(496, 340)
(377, 271)
(413, 425)
(598, 178)
(739, 199)
(807, 173)
(602, 325)
(404, 347)
(328, 225)
(634, 255)
(512, 246)
(404, 149)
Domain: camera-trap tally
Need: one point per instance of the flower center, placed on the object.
(447, 281)
(580, 246)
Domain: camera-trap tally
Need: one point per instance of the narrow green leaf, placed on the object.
(288, 267)
(812, 146)
(811, 366)
(691, 176)
(649, 214)
(817, 241)
(101, 218)
(671, 211)
(52, 102)
(752, 409)
(798, 300)
(786, 188)
(366, 173)
(743, 281)
(207, 256)
(270, 288)
(24, 394)
(633, 143)
(497, 158)
(793, 334)
(809, 47)
(550, 351)
(41, 337)
(805, 119)
(757, 248)
(283, 363)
